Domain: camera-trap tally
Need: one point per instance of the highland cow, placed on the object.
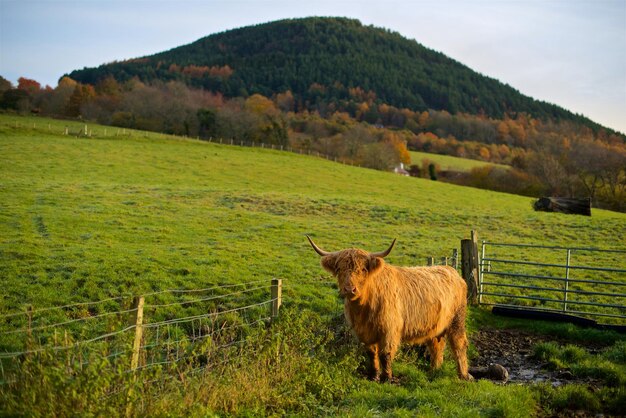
(387, 305)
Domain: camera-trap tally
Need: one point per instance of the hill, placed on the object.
(336, 61)
(357, 94)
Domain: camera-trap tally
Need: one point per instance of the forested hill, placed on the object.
(336, 62)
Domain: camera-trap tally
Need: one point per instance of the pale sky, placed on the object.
(568, 52)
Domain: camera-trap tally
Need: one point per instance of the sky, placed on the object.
(568, 52)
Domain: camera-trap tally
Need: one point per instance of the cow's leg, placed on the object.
(435, 349)
(458, 343)
(374, 364)
(386, 359)
(387, 353)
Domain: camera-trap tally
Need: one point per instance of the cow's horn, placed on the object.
(384, 253)
(316, 248)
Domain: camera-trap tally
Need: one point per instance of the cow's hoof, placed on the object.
(391, 380)
(468, 378)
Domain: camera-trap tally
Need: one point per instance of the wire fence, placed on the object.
(452, 260)
(159, 330)
(84, 130)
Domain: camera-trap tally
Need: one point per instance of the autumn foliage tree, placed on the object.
(547, 157)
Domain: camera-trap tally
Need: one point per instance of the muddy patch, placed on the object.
(513, 349)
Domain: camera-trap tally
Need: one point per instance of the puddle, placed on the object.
(513, 349)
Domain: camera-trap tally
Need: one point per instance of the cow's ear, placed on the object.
(329, 262)
(375, 264)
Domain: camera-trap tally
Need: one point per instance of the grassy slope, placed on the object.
(448, 162)
(84, 219)
(121, 214)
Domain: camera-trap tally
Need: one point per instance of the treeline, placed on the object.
(329, 65)
(174, 108)
(545, 158)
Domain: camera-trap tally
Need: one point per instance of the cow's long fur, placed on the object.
(386, 305)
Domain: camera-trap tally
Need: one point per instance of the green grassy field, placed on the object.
(448, 162)
(83, 219)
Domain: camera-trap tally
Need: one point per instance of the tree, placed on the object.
(285, 101)
(587, 161)
(432, 171)
(484, 153)
(28, 85)
(354, 138)
(21, 98)
(614, 177)
(80, 96)
(379, 156)
(207, 121)
(55, 103)
(108, 86)
(16, 100)
(398, 145)
(4, 85)
(261, 105)
(551, 173)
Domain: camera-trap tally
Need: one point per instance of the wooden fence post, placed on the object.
(277, 296)
(430, 261)
(469, 266)
(137, 320)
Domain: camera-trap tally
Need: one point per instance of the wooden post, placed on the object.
(567, 264)
(455, 256)
(444, 261)
(277, 296)
(137, 320)
(66, 343)
(469, 267)
(430, 261)
(475, 260)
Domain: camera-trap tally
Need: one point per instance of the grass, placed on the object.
(84, 219)
(448, 162)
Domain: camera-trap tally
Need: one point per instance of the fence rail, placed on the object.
(587, 282)
(158, 329)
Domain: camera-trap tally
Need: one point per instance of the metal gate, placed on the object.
(581, 281)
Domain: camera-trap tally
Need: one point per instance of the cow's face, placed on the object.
(352, 267)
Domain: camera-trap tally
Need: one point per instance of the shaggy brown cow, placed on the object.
(386, 305)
